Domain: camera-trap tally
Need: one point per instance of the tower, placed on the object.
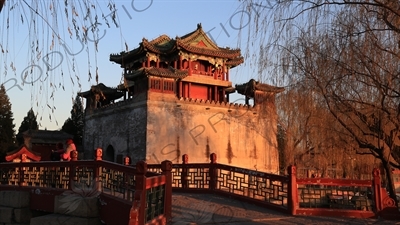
(176, 101)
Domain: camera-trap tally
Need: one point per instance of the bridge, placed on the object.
(149, 193)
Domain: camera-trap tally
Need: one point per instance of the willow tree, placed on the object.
(57, 35)
(347, 53)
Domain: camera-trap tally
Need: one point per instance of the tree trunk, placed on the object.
(390, 181)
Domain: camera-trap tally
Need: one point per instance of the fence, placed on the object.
(297, 196)
(129, 195)
(142, 193)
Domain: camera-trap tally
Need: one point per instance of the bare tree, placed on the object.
(347, 52)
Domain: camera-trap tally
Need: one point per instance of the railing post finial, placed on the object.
(185, 159)
(98, 154)
(74, 155)
(127, 160)
(213, 158)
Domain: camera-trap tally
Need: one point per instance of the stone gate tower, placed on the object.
(175, 101)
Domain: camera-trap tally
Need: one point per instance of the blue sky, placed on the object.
(53, 65)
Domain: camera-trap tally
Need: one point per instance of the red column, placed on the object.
(213, 171)
(190, 67)
(223, 71)
(166, 167)
(180, 89)
(215, 93)
(188, 92)
(292, 189)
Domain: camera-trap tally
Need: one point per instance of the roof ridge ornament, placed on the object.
(199, 26)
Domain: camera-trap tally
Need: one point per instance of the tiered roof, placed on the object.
(22, 150)
(103, 90)
(250, 87)
(196, 42)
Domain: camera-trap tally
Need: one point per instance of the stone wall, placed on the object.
(165, 128)
(121, 125)
(240, 135)
(14, 208)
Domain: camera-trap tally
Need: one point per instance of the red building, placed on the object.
(191, 66)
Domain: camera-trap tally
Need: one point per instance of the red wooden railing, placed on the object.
(144, 192)
(297, 196)
(128, 195)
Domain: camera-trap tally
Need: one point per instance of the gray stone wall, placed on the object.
(121, 126)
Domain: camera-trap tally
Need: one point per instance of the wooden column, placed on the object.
(189, 87)
(180, 91)
(215, 93)
(223, 71)
(190, 67)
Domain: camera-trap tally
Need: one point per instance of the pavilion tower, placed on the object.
(174, 100)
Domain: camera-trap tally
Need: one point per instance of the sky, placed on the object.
(45, 73)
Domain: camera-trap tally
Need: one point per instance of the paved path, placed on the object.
(213, 209)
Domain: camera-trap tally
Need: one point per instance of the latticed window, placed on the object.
(168, 86)
(155, 84)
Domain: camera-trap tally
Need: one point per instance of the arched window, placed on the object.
(109, 156)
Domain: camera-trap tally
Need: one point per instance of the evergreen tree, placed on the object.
(29, 123)
(74, 124)
(7, 133)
